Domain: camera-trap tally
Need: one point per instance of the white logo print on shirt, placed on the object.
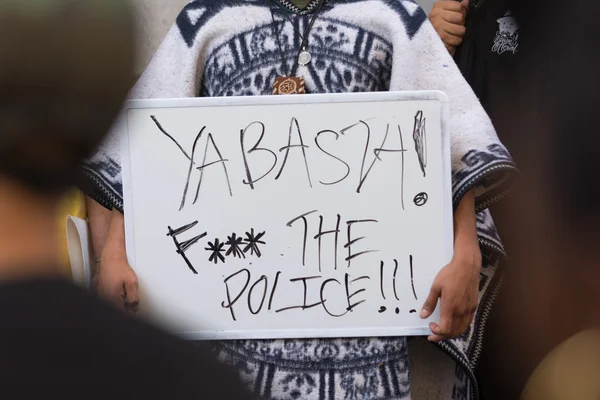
(507, 37)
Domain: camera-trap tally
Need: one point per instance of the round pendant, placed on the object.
(304, 58)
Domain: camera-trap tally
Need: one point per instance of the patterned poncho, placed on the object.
(229, 48)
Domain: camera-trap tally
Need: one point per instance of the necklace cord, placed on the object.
(310, 26)
(304, 37)
(276, 32)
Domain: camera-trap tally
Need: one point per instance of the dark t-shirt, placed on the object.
(61, 342)
(488, 55)
(488, 59)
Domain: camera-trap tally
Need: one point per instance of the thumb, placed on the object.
(465, 4)
(132, 298)
(430, 303)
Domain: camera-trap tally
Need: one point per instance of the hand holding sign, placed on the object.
(312, 216)
(457, 284)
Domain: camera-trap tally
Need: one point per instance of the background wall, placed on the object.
(432, 372)
(426, 4)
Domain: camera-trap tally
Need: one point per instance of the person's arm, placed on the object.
(115, 279)
(99, 220)
(457, 284)
(448, 18)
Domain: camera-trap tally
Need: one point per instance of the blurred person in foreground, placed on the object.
(549, 348)
(64, 71)
(533, 64)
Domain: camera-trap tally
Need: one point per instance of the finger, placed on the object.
(460, 327)
(462, 323)
(447, 318)
(454, 29)
(451, 49)
(455, 17)
(111, 291)
(132, 296)
(468, 320)
(470, 317)
(449, 5)
(465, 4)
(465, 9)
(436, 338)
(444, 328)
(430, 303)
(115, 294)
(450, 40)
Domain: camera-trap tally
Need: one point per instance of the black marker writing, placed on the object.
(412, 280)
(332, 156)
(234, 244)
(159, 126)
(304, 306)
(231, 303)
(402, 177)
(252, 241)
(421, 199)
(377, 152)
(264, 295)
(420, 138)
(323, 286)
(182, 247)
(216, 249)
(254, 148)
(303, 218)
(351, 241)
(301, 146)
(349, 296)
(320, 235)
(241, 283)
(381, 279)
(202, 168)
(210, 140)
(189, 175)
(395, 272)
(362, 166)
(273, 290)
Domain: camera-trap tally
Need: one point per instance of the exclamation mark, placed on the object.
(412, 280)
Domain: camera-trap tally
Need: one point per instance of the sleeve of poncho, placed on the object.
(480, 162)
(174, 72)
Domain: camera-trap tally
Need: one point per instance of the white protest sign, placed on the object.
(288, 216)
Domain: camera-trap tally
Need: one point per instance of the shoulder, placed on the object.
(197, 14)
(576, 362)
(59, 334)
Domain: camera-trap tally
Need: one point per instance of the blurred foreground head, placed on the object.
(65, 67)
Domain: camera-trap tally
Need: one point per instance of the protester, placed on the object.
(343, 47)
(64, 71)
